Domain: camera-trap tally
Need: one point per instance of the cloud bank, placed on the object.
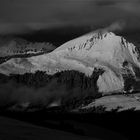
(22, 16)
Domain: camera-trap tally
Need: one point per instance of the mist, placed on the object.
(13, 93)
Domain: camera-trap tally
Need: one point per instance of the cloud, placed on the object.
(8, 28)
(116, 26)
(104, 2)
(27, 27)
(13, 93)
(133, 8)
(10, 93)
(22, 16)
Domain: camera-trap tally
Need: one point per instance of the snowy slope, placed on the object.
(99, 49)
(120, 102)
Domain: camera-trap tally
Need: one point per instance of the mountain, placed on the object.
(83, 69)
(18, 47)
(97, 50)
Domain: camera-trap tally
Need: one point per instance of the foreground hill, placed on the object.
(14, 129)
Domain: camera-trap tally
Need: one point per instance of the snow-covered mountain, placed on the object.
(105, 50)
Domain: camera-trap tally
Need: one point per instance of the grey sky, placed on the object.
(18, 16)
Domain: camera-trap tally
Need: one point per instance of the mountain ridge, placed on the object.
(17, 46)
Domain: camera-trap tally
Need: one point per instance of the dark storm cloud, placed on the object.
(20, 16)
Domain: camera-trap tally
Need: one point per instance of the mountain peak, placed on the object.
(99, 44)
(87, 40)
(98, 39)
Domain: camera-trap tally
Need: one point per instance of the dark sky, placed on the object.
(22, 16)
